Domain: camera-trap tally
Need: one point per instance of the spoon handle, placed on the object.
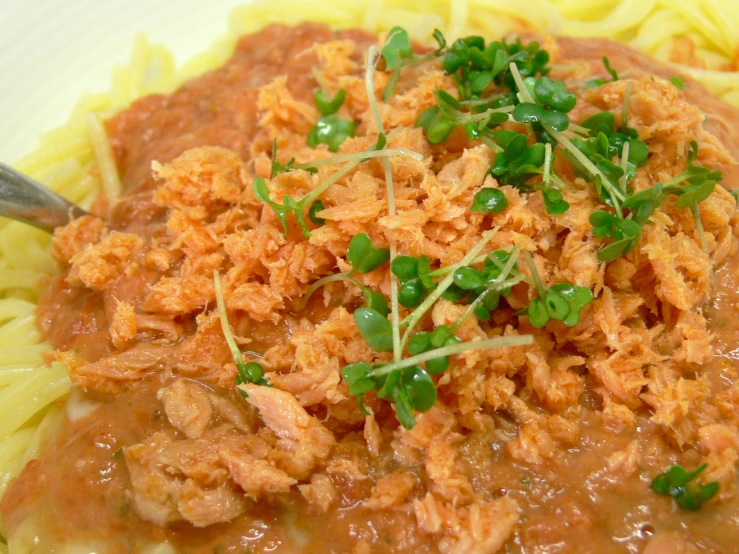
(28, 201)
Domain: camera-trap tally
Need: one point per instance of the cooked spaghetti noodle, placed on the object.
(699, 37)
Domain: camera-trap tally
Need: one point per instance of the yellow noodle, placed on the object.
(658, 28)
(577, 9)
(27, 397)
(79, 190)
(538, 13)
(30, 245)
(104, 156)
(11, 308)
(62, 175)
(46, 428)
(12, 373)
(726, 20)
(13, 355)
(731, 97)
(697, 17)
(162, 78)
(90, 103)
(50, 156)
(20, 279)
(120, 89)
(11, 458)
(137, 65)
(15, 444)
(11, 248)
(626, 16)
(21, 331)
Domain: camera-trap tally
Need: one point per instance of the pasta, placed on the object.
(32, 394)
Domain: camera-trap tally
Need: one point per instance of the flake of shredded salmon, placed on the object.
(391, 490)
(677, 408)
(124, 325)
(204, 354)
(483, 529)
(335, 59)
(180, 295)
(617, 417)
(256, 477)
(372, 436)
(204, 507)
(259, 301)
(721, 469)
(281, 114)
(99, 264)
(154, 491)
(72, 238)
(303, 441)
(532, 445)
(187, 406)
(445, 474)
(320, 492)
(191, 233)
(625, 463)
(114, 372)
(208, 177)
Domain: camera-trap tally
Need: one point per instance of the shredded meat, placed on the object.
(540, 448)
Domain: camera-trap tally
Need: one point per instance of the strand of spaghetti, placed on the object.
(13, 355)
(15, 445)
(90, 103)
(253, 16)
(75, 127)
(20, 279)
(45, 158)
(12, 374)
(214, 57)
(713, 79)
(691, 11)
(541, 14)
(658, 28)
(48, 425)
(7, 473)
(24, 399)
(625, 16)
(579, 10)
(11, 308)
(62, 175)
(12, 461)
(137, 65)
(35, 245)
(166, 79)
(726, 19)
(79, 190)
(372, 13)
(14, 250)
(105, 159)
(459, 15)
(21, 331)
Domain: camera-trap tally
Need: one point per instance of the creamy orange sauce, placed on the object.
(551, 443)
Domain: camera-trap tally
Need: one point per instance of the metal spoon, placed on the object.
(26, 200)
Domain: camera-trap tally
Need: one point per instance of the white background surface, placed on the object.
(51, 51)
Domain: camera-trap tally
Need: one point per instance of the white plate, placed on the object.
(52, 51)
